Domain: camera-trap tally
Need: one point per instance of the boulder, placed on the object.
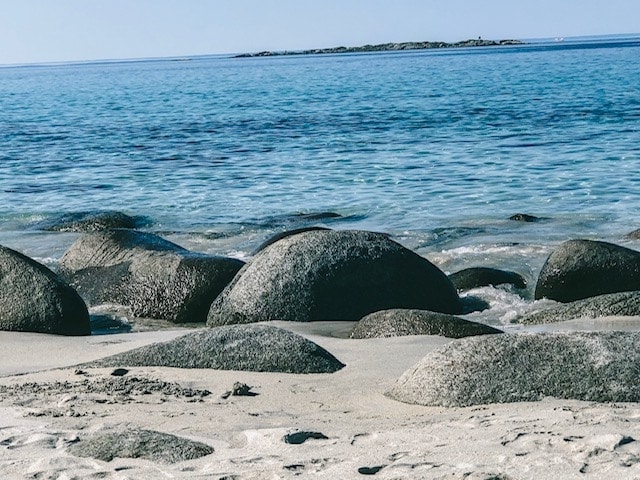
(475, 277)
(588, 366)
(255, 348)
(35, 299)
(91, 221)
(332, 275)
(129, 442)
(399, 322)
(152, 276)
(626, 304)
(524, 217)
(585, 268)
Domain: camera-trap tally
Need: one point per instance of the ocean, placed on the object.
(438, 148)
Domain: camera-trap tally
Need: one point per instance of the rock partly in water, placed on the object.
(152, 276)
(589, 366)
(585, 268)
(138, 443)
(524, 217)
(475, 277)
(399, 322)
(256, 348)
(279, 236)
(91, 221)
(332, 275)
(35, 299)
(626, 304)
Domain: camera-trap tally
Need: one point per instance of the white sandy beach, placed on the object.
(551, 439)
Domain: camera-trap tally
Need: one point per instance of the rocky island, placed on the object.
(385, 47)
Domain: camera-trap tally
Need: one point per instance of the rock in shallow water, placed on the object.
(138, 443)
(152, 276)
(332, 275)
(256, 348)
(92, 221)
(585, 268)
(483, 276)
(398, 322)
(590, 366)
(35, 299)
(611, 304)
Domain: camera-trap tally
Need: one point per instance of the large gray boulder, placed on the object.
(35, 299)
(399, 322)
(585, 268)
(589, 366)
(332, 275)
(626, 304)
(152, 276)
(256, 348)
(131, 442)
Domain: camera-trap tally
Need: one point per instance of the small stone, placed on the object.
(119, 372)
(298, 438)
(370, 470)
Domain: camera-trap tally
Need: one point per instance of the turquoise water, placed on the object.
(438, 148)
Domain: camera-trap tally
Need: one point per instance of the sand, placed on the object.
(48, 405)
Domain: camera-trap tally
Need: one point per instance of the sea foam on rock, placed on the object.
(332, 275)
(626, 304)
(256, 348)
(35, 299)
(399, 322)
(154, 277)
(585, 268)
(589, 366)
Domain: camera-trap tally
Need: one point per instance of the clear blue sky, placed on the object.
(64, 30)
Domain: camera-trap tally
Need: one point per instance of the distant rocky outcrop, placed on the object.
(399, 322)
(585, 268)
(35, 299)
(131, 442)
(90, 221)
(524, 217)
(475, 277)
(332, 275)
(385, 47)
(589, 366)
(626, 304)
(152, 276)
(256, 348)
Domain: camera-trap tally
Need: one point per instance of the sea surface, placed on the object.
(437, 148)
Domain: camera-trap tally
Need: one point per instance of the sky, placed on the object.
(33, 31)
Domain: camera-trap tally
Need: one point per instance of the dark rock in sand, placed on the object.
(137, 443)
(585, 268)
(332, 275)
(483, 276)
(92, 221)
(35, 299)
(152, 276)
(524, 217)
(256, 348)
(399, 322)
(626, 304)
(298, 438)
(589, 366)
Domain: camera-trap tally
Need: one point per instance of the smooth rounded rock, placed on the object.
(35, 299)
(589, 366)
(332, 275)
(153, 277)
(91, 221)
(475, 277)
(399, 322)
(585, 268)
(255, 348)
